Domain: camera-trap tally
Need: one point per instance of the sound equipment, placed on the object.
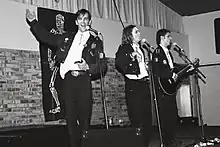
(217, 35)
(10, 140)
(114, 137)
(57, 136)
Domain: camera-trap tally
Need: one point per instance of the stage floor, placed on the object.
(56, 136)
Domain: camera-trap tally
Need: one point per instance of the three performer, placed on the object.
(79, 58)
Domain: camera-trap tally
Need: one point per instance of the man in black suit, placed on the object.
(163, 68)
(131, 62)
(80, 56)
(165, 77)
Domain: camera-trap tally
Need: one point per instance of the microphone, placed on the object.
(145, 43)
(178, 48)
(92, 30)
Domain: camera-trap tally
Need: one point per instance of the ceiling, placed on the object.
(192, 7)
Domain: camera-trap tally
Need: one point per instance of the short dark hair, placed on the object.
(127, 37)
(161, 32)
(83, 12)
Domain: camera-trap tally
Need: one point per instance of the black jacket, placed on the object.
(161, 66)
(123, 61)
(91, 52)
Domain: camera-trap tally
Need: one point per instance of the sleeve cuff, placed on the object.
(33, 23)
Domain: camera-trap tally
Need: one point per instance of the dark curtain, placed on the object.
(48, 19)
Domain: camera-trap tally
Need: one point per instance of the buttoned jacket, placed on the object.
(92, 53)
(161, 67)
(124, 62)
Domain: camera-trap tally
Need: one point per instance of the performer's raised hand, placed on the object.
(30, 16)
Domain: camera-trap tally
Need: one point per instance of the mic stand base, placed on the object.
(203, 142)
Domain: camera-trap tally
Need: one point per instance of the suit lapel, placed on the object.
(164, 57)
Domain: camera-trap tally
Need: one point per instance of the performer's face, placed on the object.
(136, 35)
(167, 39)
(82, 22)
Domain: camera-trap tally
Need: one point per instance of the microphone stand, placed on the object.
(203, 141)
(152, 89)
(102, 82)
(188, 61)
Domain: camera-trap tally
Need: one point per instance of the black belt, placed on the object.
(77, 73)
(144, 79)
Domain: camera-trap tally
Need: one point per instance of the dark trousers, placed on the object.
(77, 93)
(168, 114)
(138, 98)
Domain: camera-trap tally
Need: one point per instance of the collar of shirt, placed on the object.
(82, 34)
(135, 46)
(81, 38)
(165, 49)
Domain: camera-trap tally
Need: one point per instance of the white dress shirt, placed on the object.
(170, 62)
(75, 53)
(166, 51)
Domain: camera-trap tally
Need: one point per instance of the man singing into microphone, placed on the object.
(131, 62)
(165, 70)
(80, 56)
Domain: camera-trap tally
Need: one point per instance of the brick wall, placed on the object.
(21, 93)
(20, 88)
(114, 98)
